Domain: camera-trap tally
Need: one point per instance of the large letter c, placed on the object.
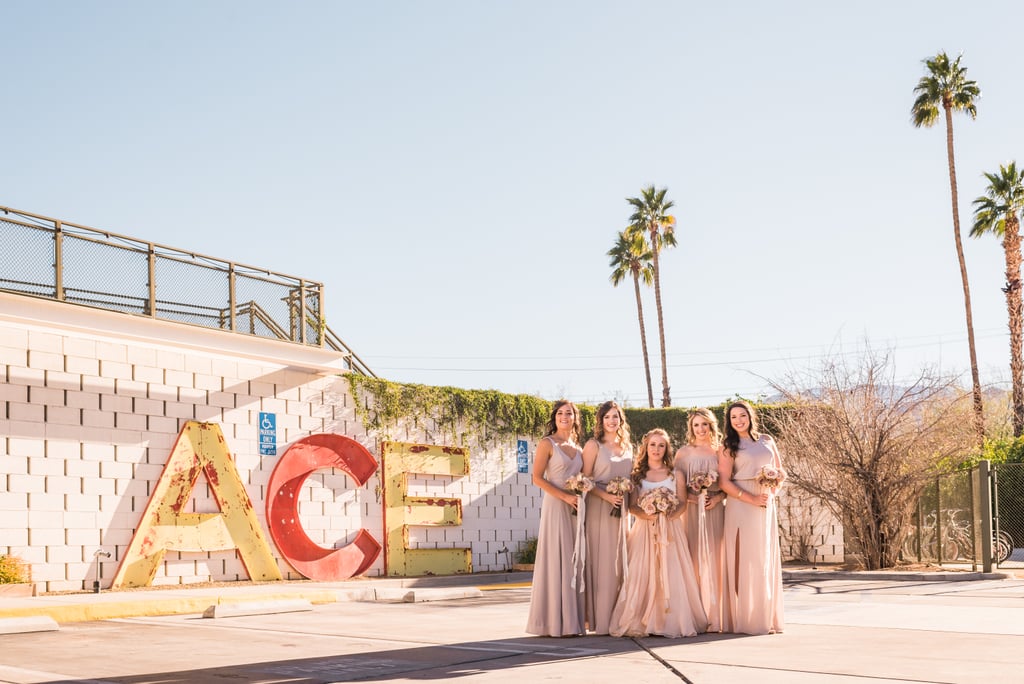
(298, 462)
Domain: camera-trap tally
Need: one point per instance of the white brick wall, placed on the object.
(87, 422)
(91, 420)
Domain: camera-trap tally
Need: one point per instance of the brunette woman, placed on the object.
(753, 563)
(556, 604)
(608, 455)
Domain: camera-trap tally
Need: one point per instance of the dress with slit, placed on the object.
(659, 594)
(753, 562)
(556, 599)
(605, 536)
(708, 563)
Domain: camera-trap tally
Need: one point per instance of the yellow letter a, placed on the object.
(200, 448)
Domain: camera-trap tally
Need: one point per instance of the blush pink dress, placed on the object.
(605, 536)
(660, 594)
(753, 562)
(709, 562)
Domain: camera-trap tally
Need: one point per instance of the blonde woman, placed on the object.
(660, 593)
(753, 562)
(696, 465)
(609, 454)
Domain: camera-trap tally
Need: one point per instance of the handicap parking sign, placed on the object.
(268, 434)
(522, 456)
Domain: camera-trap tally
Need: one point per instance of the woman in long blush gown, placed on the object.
(556, 599)
(753, 561)
(697, 460)
(608, 455)
(659, 594)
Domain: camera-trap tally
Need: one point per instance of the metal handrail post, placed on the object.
(58, 261)
(984, 471)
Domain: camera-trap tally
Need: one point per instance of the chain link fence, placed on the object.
(946, 525)
(80, 265)
(1008, 517)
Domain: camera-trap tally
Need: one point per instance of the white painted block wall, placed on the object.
(92, 401)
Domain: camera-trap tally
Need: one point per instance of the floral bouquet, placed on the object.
(619, 486)
(579, 484)
(700, 482)
(770, 476)
(659, 500)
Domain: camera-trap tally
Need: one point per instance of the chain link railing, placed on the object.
(47, 257)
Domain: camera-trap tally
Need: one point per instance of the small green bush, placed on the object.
(12, 570)
(527, 553)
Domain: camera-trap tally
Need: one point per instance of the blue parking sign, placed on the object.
(268, 434)
(522, 456)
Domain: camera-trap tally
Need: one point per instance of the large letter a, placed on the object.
(164, 527)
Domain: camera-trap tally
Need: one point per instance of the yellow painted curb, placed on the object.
(109, 610)
(507, 585)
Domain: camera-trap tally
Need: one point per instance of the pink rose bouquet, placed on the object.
(658, 500)
(619, 486)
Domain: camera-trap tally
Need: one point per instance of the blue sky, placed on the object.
(454, 172)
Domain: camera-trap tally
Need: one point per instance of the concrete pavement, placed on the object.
(841, 628)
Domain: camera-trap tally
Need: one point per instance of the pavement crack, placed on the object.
(661, 660)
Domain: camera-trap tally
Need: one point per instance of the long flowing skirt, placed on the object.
(556, 601)
(660, 594)
(605, 554)
(753, 569)
(708, 563)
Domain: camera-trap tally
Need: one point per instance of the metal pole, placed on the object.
(152, 280)
(985, 506)
(231, 295)
(58, 261)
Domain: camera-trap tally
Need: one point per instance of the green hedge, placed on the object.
(381, 404)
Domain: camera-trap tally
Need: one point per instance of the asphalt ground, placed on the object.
(840, 628)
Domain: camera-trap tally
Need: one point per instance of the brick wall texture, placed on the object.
(88, 421)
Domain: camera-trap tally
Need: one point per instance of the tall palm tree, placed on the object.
(651, 217)
(630, 256)
(946, 85)
(998, 212)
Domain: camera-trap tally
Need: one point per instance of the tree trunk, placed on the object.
(1011, 246)
(643, 339)
(666, 398)
(979, 409)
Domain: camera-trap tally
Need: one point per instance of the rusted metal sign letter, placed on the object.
(302, 459)
(401, 511)
(200, 447)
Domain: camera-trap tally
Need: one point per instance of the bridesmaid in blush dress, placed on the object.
(659, 594)
(556, 600)
(609, 454)
(753, 561)
(696, 459)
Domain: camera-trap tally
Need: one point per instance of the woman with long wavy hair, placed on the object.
(659, 594)
(696, 469)
(753, 560)
(556, 604)
(608, 455)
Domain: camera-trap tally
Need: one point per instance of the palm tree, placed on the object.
(651, 218)
(946, 85)
(997, 212)
(631, 256)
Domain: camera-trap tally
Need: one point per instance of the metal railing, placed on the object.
(67, 262)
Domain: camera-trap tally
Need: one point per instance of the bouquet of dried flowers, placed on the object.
(770, 476)
(658, 500)
(619, 486)
(579, 484)
(700, 482)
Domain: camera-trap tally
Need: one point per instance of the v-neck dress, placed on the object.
(556, 602)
